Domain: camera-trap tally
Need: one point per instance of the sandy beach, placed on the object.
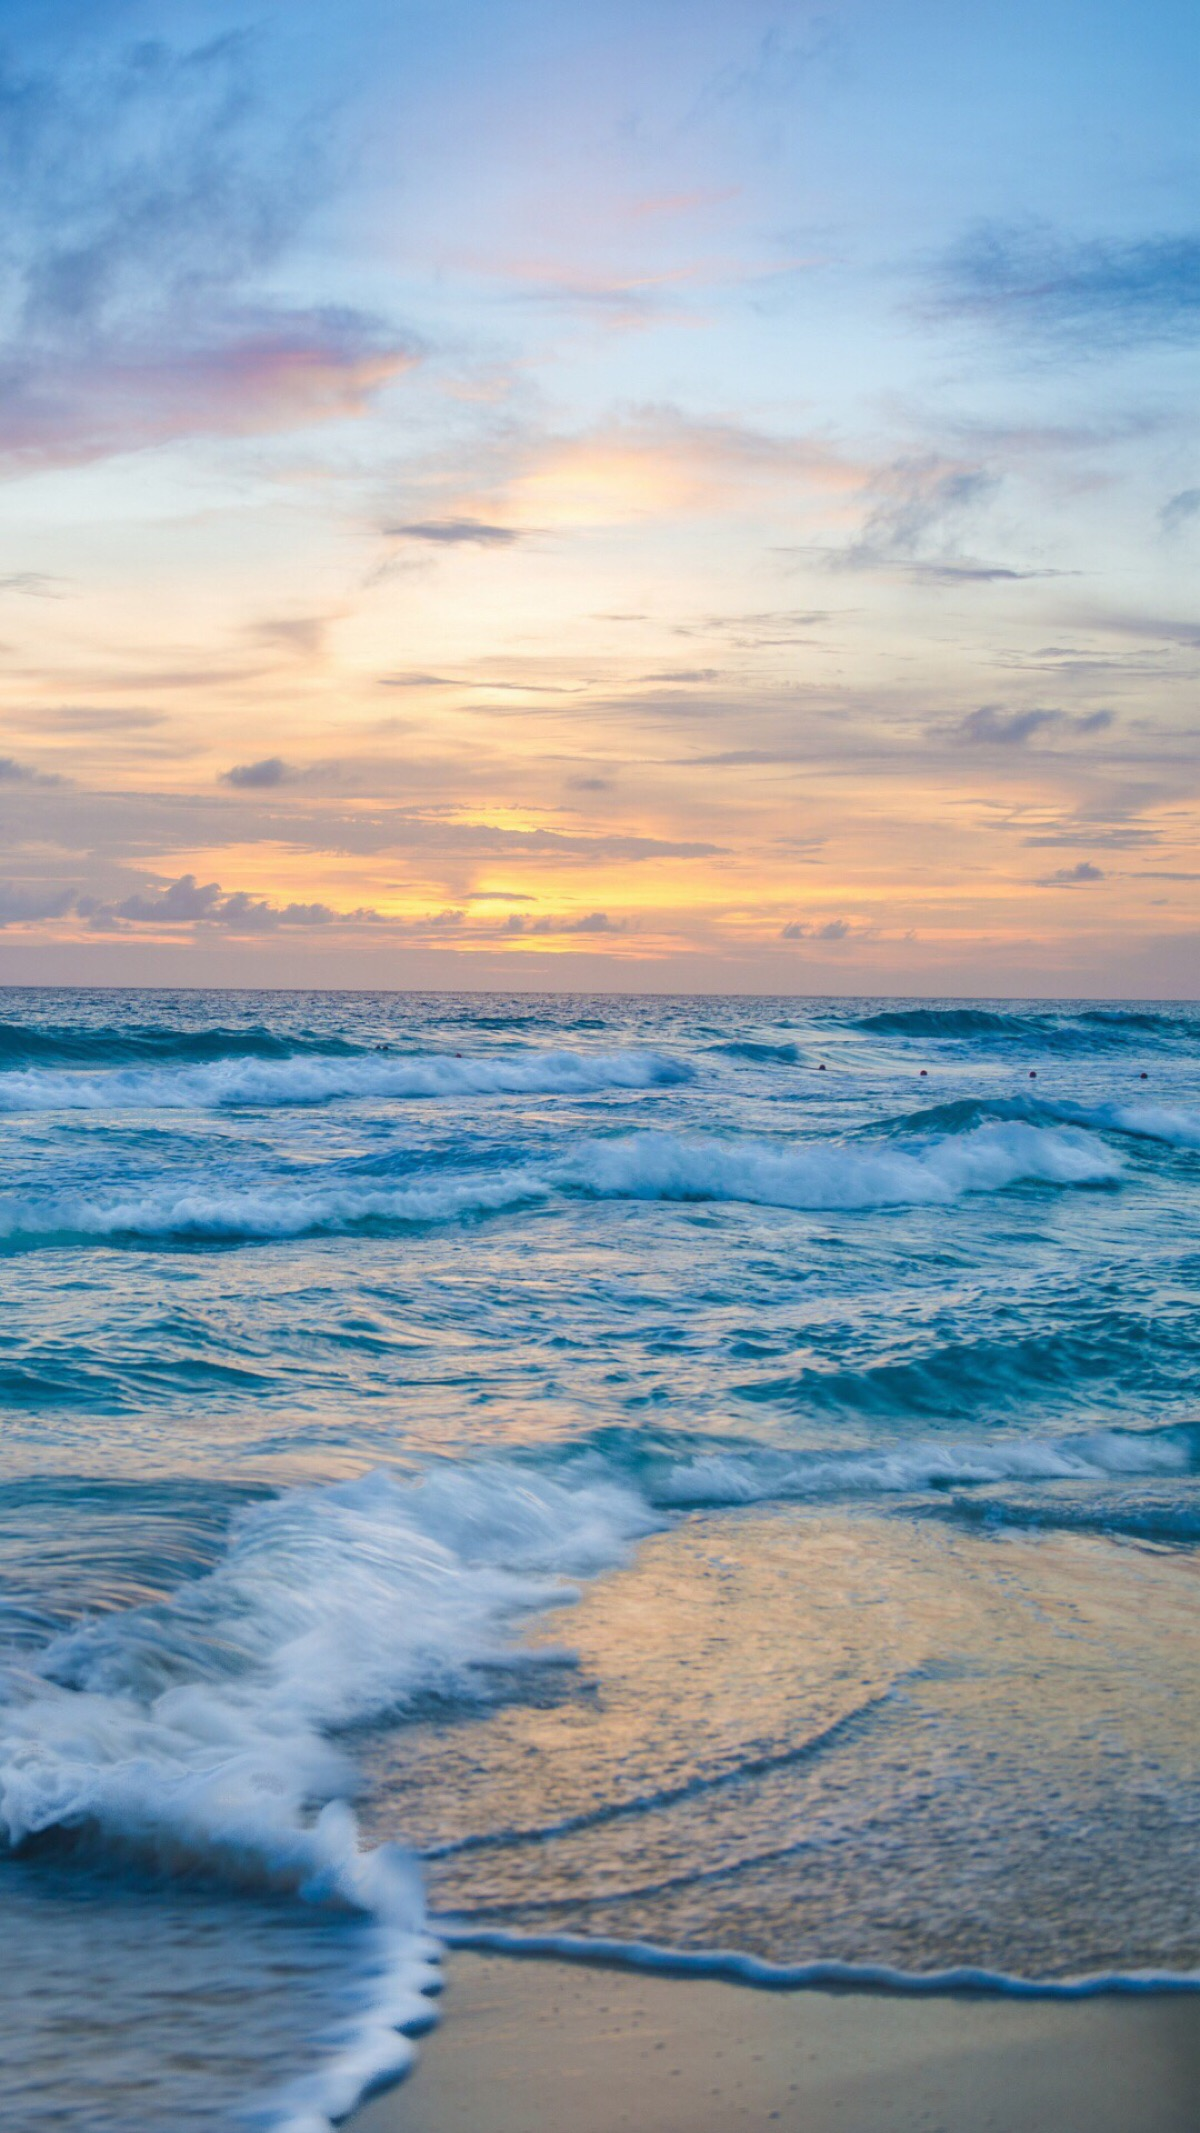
(550, 2047)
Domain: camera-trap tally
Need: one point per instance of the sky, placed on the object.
(695, 496)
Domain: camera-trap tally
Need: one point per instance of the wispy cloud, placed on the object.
(187, 902)
(991, 726)
(456, 532)
(14, 773)
(22, 904)
(1080, 876)
(35, 583)
(270, 770)
(589, 922)
(829, 929)
(1180, 510)
(148, 193)
(1098, 292)
(916, 511)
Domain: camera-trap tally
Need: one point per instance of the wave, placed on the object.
(1144, 1121)
(941, 1022)
(196, 1734)
(812, 1976)
(762, 1474)
(1062, 1029)
(1169, 1524)
(207, 1214)
(200, 1734)
(48, 1044)
(819, 1176)
(1141, 1120)
(828, 1175)
(309, 1079)
(761, 1053)
(700, 1787)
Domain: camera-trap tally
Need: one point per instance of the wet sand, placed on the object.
(553, 2047)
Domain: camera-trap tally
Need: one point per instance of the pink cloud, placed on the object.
(279, 372)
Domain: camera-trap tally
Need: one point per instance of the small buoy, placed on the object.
(1143, 1077)
(924, 1072)
(821, 1068)
(1033, 1073)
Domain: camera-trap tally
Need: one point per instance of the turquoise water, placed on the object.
(712, 1474)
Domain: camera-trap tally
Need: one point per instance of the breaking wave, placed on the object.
(196, 1734)
(1140, 1120)
(1062, 1029)
(820, 1176)
(63, 1045)
(314, 1079)
(762, 1474)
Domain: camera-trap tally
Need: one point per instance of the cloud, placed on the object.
(189, 902)
(1165, 629)
(975, 573)
(914, 504)
(35, 583)
(257, 777)
(802, 929)
(303, 635)
(1118, 839)
(417, 681)
(590, 922)
(99, 718)
(456, 532)
(990, 726)
(1179, 510)
(248, 375)
(148, 194)
(1095, 292)
(1075, 877)
(596, 922)
(684, 675)
(14, 773)
(20, 904)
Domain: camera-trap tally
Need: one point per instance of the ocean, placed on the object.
(715, 1477)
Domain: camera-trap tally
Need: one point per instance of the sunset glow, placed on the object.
(688, 497)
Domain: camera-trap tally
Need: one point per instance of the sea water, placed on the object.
(712, 1477)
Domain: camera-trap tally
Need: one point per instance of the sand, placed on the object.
(552, 2047)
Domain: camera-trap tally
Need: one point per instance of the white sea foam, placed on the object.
(863, 1977)
(196, 1733)
(764, 1475)
(230, 1213)
(1151, 1122)
(823, 1176)
(314, 1080)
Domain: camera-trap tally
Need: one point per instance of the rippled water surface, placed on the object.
(713, 1473)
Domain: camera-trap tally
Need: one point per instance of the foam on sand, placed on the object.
(195, 1735)
(741, 1969)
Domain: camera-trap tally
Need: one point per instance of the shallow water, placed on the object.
(687, 1474)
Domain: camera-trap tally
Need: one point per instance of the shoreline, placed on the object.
(533, 2043)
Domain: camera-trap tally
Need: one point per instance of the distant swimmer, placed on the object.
(1143, 1077)
(924, 1072)
(1033, 1073)
(821, 1068)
